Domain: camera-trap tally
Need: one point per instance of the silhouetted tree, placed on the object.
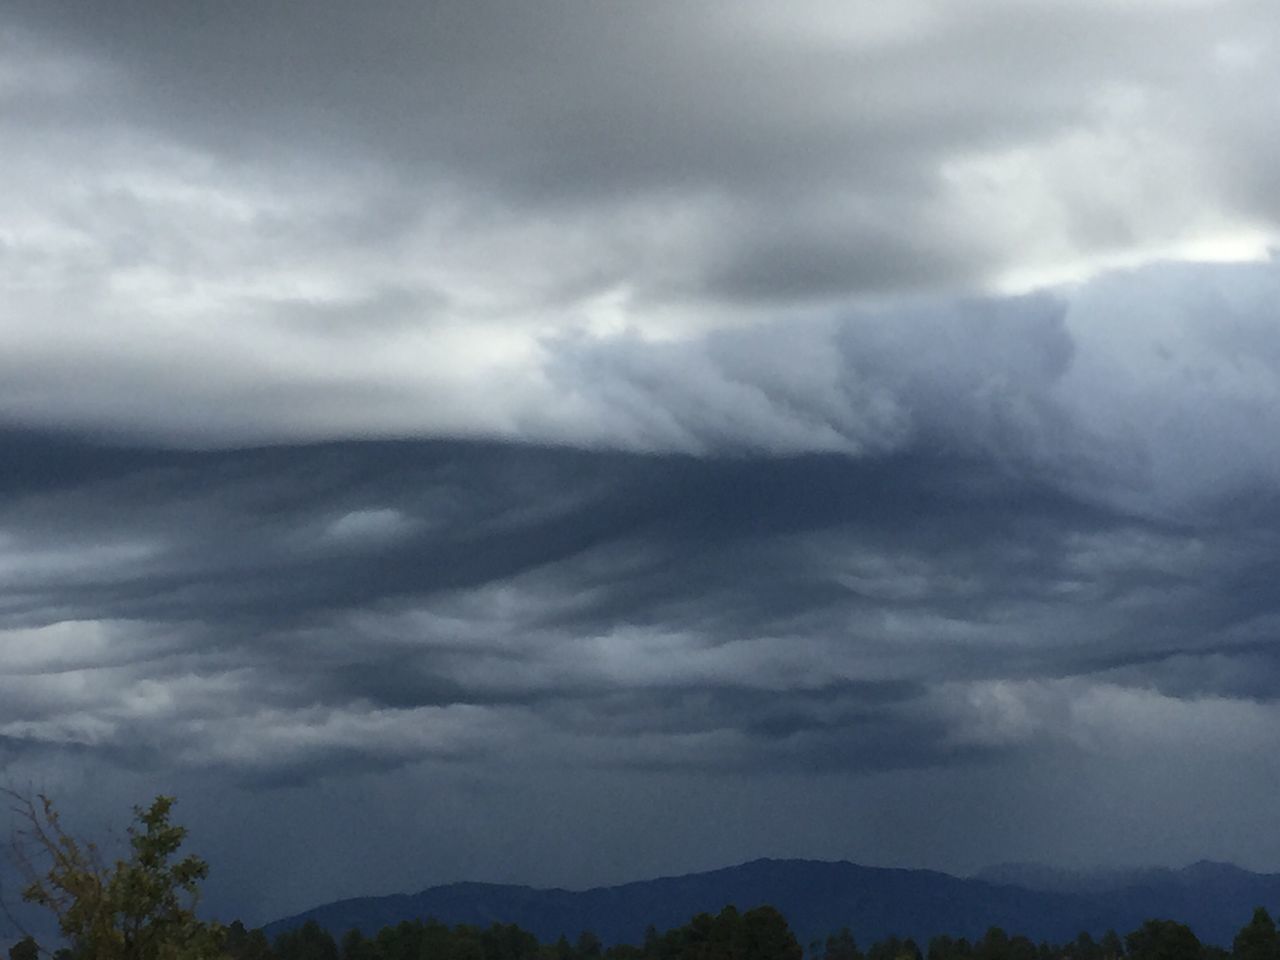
(242, 944)
(944, 947)
(355, 946)
(765, 935)
(1163, 940)
(994, 945)
(894, 948)
(1111, 947)
(309, 942)
(588, 946)
(1084, 947)
(1257, 939)
(1020, 948)
(841, 946)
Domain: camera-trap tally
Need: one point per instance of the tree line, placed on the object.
(761, 933)
(143, 907)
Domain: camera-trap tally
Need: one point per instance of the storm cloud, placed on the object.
(565, 443)
(285, 617)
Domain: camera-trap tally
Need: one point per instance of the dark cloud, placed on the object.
(915, 542)
(295, 617)
(562, 444)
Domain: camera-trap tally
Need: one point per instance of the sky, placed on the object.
(577, 442)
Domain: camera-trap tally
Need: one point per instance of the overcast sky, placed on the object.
(574, 442)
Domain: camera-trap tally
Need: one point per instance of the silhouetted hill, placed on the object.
(1209, 896)
(820, 897)
(1038, 876)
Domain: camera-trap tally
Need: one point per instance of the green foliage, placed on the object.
(139, 908)
(25, 949)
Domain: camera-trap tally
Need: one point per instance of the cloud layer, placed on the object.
(607, 440)
(274, 227)
(282, 619)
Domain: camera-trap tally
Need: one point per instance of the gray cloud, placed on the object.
(302, 616)
(1143, 389)
(766, 429)
(271, 226)
(696, 626)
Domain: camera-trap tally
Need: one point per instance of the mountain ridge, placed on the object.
(821, 896)
(1040, 876)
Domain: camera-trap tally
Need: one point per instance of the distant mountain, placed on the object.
(820, 897)
(1038, 876)
(1213, 898)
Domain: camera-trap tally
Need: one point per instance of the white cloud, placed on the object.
(376, 524)
(194, 274)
